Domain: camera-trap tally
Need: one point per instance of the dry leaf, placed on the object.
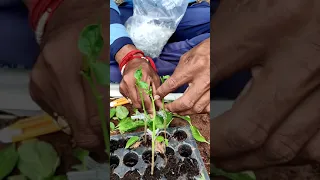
(136, 145)
(160, 147)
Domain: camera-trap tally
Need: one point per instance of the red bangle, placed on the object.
(132, 55)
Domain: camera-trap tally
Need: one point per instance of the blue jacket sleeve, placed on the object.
(118, 35)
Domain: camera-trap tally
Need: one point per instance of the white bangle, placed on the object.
(122, 70)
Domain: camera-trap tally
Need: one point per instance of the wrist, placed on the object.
(124, 51)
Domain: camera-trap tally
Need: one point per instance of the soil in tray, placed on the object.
(178, 165)
(201, 121)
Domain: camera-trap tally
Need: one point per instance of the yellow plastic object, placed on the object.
(120, 102)
(34, 126)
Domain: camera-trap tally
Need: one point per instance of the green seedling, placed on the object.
(148, 90)
(142, 86)
(163, 79)
(131, 141)
(90, 44)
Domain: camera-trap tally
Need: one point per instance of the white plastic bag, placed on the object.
(153, 23)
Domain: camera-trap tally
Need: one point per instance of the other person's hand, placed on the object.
(193, 69)
(276, 119)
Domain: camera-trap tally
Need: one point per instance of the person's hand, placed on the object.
(193, 69)
(56, 84)
(128, 86)
(276, 119)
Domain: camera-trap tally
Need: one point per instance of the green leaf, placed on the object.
(169, 118)
(131, 141)
(166, 141)
(122, 112)
(101, 72)
(112, 126)
(164, 78)
(232, 176)
(158, 121)
(127, 124)
(197, 135)
(90, 41)
(61, 177)
(17, 177)
(112, 112)
(38, 160)
(9, 158)
(187, 118)
(160, 138)
(80, 154)
(143, 85)
(138, 74)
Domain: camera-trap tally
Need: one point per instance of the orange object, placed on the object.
(119, 102)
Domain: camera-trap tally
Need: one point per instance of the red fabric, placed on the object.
(132, 55)
(39, 7)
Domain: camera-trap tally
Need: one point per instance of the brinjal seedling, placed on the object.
(90, 44)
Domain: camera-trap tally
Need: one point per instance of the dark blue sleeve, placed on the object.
(118, 34)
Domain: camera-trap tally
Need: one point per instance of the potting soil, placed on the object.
(182, 158)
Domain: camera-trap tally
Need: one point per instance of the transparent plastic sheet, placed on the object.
(153, 23)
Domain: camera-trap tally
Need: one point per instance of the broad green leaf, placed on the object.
(160, 138)
(138, 74)
(90, 41)
(131, 141)
(166, 141)
(101, 72)
(122, 112)
(112, 112)
(187, 118)
(80, 154)
(9, 158)
(232, 176)
(127, 124)
(143, 85)
(61, 177)
(38, 160)
(17, 177)
(158, 121)
(112, 126)
(197, 135)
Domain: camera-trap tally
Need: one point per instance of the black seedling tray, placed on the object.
(184, 161)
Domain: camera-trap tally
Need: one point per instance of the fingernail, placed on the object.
(156, 97)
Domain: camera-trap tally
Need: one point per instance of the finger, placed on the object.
(123, 89)
(190, 97)
(175, 81)
(287, 141)
(247, 125)
(133, 94)
(201, 106)
(41, 89)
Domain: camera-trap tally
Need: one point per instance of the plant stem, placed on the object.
(153, 132)
(165, 120)
(101, 111)
(145, 114)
